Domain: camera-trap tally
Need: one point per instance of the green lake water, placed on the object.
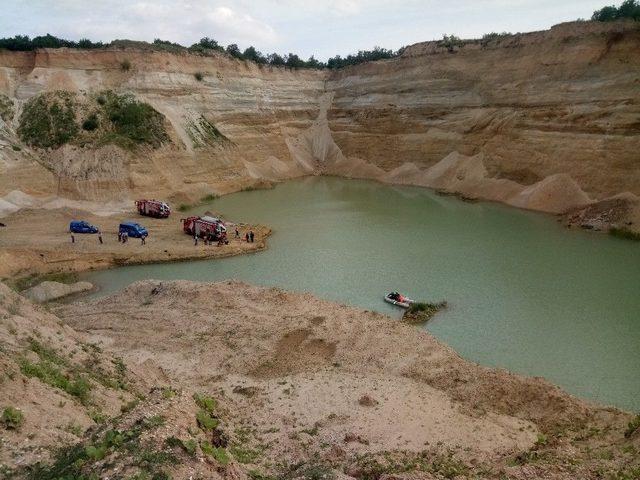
(524, 293)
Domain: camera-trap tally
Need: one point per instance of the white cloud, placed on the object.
(320, 27)
(182, 21)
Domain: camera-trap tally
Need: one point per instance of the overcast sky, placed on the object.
(321, 27)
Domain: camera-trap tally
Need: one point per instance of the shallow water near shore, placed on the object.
(524, 293)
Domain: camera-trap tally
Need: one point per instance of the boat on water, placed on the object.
(395, 298)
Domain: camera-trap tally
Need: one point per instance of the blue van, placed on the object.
(80, 226)
(133, 229)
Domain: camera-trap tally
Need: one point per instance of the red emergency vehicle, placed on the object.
(153, 208)
(206, 226)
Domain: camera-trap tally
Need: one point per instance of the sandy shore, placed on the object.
(37, 241)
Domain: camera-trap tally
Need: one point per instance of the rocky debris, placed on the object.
(367, 401)
(620, 211)
(353, 437)
(48, 291)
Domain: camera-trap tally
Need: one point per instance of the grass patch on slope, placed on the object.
(49, 120)
(86, 460)
(24, 283)
(132, 122)
(6, 108)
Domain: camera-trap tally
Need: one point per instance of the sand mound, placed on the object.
(47, 291)
(555, 194)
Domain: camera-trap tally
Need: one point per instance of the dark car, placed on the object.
(80, 226)
(133, 229)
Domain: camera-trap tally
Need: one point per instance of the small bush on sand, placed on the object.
(420, 312)
(199, 76)
(90, 123)
(12, 418)
(125, 65)
(633, 426)
(208, 198)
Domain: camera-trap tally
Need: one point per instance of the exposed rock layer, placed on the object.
(547, 120)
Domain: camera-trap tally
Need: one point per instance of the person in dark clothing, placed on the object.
(73, 239)
(100, 238)
(143, 238)
(119, 237)
(251, 235)
(237, 233)
(247, 237)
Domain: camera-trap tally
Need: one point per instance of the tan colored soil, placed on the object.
(38, 241)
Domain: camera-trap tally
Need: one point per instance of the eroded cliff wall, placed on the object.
(564, 101)
(547, 120)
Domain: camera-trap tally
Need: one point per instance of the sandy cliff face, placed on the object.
(257, 109)
(527, 107)
(547, 120)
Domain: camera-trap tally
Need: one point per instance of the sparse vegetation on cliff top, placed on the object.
(628, 9)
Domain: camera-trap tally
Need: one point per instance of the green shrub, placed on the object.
(48, 120)
(628, 9)
(189, 446)
(90, 123)
(84, 461)
(422, 312)
(133, 122)
(49, 373)
(542, 440)
(199, 76)
(243, 454)
(632, 427)
(125, 65)
(624, 233)
(12, 418)
(205, 402)
(205, 421)
(220, 454)
(6, 108)
(208, 198)
(450, 42)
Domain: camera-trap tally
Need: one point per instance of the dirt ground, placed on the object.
(312, 382)
(38, 241)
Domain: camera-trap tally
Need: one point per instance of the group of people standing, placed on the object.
(249, 236)
(209, 239)
(123, 237)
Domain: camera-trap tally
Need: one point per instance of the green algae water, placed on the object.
(524, 293)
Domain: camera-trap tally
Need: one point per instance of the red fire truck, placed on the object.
(153, 208)
(211, 227)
